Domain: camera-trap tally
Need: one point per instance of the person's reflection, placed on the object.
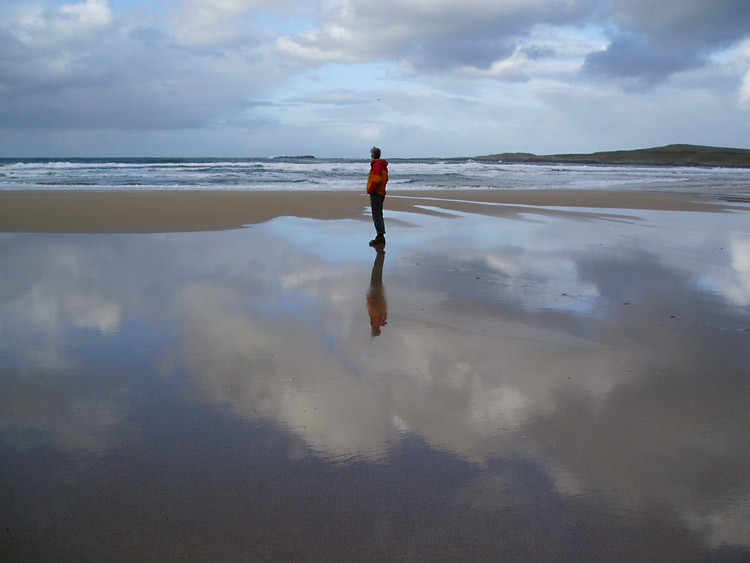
(376, 303)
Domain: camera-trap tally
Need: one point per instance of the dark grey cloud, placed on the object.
(129, 95)
(11, 49)
(444, 54)
(108, 107)
(636, 57)
(651, 40)
(692, 23)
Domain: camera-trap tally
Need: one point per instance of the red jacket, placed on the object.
(378, 177)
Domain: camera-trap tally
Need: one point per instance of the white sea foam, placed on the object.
(339, 174)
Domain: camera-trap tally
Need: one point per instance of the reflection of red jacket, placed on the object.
(378, 177)
(377, 308)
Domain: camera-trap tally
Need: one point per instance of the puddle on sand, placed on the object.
(489, 388)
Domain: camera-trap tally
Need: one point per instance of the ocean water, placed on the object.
(344, 174)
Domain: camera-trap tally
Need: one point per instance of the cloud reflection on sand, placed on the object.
(597, 354)
(601, 392)
(736, 286)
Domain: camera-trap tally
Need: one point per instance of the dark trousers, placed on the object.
(376, 203)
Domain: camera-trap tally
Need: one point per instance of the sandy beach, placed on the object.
(520, 376)
(72, 211)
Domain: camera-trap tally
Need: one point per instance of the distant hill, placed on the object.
(670, 155)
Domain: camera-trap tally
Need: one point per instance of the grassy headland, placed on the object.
(670, 155)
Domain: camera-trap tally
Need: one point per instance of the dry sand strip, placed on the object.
(86, 211)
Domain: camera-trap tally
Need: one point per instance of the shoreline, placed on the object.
(122, 211)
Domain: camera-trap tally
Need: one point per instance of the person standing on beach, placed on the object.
(376, 182)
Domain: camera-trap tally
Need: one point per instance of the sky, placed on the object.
(331, 78)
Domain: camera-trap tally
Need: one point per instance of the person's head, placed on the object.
(375, 152)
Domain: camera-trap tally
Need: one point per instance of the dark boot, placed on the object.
(380, 239)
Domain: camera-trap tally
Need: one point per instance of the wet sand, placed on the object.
(520, 376)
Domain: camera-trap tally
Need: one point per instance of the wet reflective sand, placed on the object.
(542, 384)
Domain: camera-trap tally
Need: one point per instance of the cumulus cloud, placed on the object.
(48, 47)
(430, 36)
(741, 64)
(239, 66)
(74, 22)
(744, 94)
(92, 71)
(201, 23)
